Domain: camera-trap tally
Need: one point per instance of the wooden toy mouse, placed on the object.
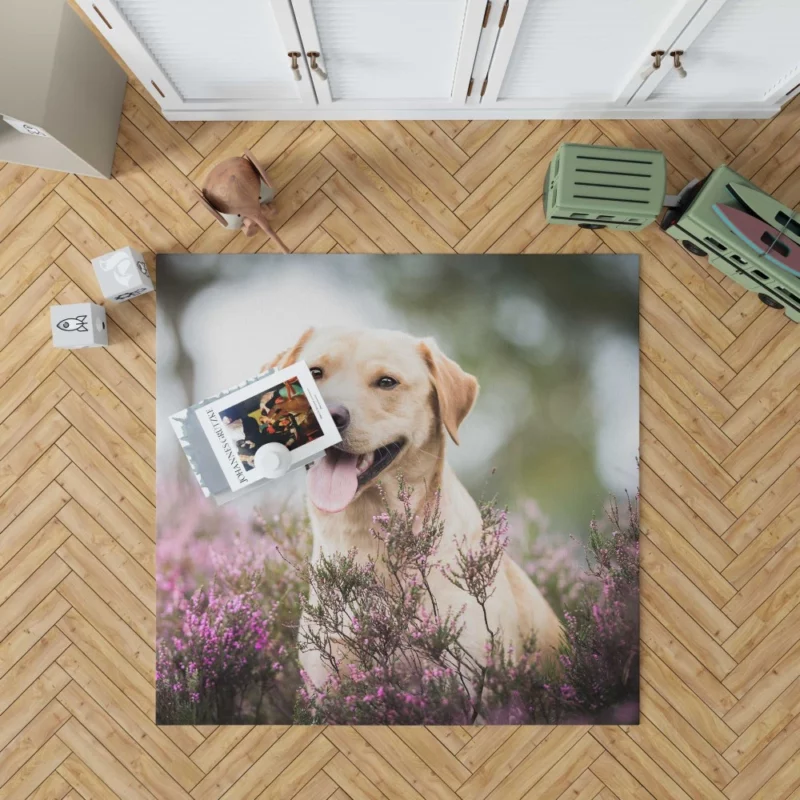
(237, 193)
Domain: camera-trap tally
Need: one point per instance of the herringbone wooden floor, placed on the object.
(720, 471)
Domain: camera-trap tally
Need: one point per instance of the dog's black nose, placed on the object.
(341, 417)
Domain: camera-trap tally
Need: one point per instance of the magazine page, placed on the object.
(285, 407)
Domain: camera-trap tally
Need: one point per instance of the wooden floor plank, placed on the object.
(684, 663)
(497, 184)
(95, 718)
(108, 587)
(416, 158)
(699, 390)
(20, 640)
(143, 152)
(144, 189)
(209, 135)
(365, 221)
(437, 143)
(684, 412)
(31, 738)
(644, 769)
(676, 584)
(84, 782)
(30, 267)
(237, 762)
(769, 650)
(771, 612)
(568, 769)
(102, 765)
(111, 482)
(768, 725)
(30, 593)
(492, 153)
(48, 757)
(763, 437)
(159, 131)
(25, 199)
(507, 753)
(31, 230)
(113, 521)
(31, 702)
(780, 385)
(110, 444)
(89, 604)
(98, 650)
(12, 176)
(761, 696)
(709, 725)
(406, 217)
(475, 134)
(691, 635)
(679, 552)
(682, 735)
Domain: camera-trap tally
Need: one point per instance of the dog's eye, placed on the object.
(316, 373)
(386, 382)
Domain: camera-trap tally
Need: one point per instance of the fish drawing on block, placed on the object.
(74, 324)
(763, 238)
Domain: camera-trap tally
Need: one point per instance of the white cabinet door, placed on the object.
(746, 51)
(206, 53)
(559, 54)
(390, 53)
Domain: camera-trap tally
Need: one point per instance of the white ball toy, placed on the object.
(273, 460)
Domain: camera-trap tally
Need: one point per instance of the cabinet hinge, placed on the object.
(486, 13)
(469, 88)
(503, 15)
(483, 88)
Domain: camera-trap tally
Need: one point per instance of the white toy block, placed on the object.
(122, 274)
(78, 325)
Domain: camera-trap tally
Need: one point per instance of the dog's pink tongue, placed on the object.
(333, 481)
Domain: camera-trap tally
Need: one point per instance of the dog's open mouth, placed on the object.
(372, 464)
(334, 480)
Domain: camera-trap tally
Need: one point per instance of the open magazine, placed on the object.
(221, 435)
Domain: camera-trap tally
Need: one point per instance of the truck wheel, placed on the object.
(769, 301)
(693, 248)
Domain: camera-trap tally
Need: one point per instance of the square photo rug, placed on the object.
(465, 552)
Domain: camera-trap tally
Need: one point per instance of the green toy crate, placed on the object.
(605, 187)
(695, 224)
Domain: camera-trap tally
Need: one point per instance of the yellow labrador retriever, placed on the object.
(394, 399)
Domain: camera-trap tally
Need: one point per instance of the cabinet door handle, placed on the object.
(102, 17)
(676, 61)
(657, 55)
(313, 56)
(295, 66)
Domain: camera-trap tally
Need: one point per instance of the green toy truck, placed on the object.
(696, 225)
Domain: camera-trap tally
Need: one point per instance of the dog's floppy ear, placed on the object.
(290, 355)
(456, 390)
